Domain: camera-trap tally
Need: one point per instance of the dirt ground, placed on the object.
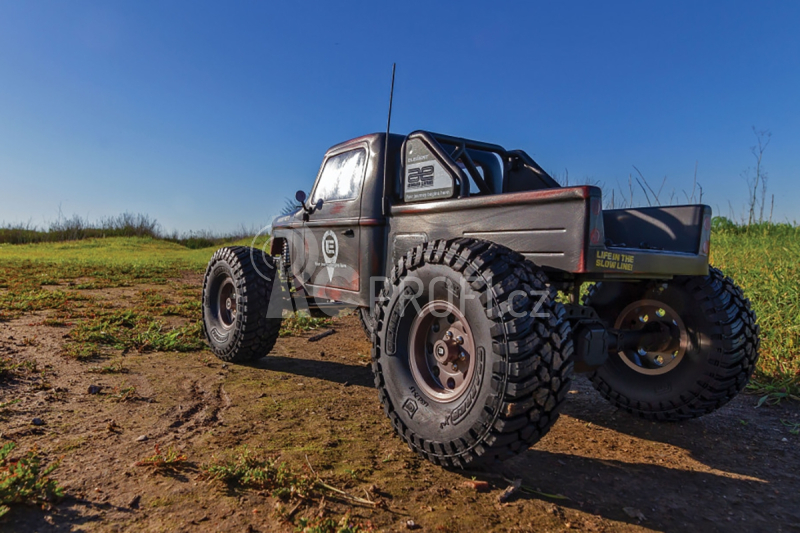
(599, 469)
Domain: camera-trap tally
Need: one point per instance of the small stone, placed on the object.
(784, 439)
(134, 503)
(410, 524)
(224, 365)
(94, 389)
(141, 438)
(37, 421)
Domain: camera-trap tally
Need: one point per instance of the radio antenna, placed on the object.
(386, 147)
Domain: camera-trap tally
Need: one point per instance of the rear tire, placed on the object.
(713, 364)
(237, 292)
(495, 391)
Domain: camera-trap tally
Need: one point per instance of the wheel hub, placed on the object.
(660, 338)
(227, 303)
(441, 351)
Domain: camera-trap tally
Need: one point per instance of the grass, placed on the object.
(11, 369)
(763, 259)
(249, 470)
(298, 323)
(122, 394)
(123, 225)
(169, 460)
(765, 262)
(132, 330)
(329, 525)
(24, 480)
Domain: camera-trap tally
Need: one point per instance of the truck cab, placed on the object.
(433, 186)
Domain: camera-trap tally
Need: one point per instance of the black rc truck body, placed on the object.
(465, 262)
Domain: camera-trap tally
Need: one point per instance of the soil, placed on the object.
(312, 403)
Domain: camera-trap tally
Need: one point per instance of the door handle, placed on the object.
(348, 233)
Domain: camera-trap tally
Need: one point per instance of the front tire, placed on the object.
(367, 322)
(712, 359)
(474, 367)
(237, 293)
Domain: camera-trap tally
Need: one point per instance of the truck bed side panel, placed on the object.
(547, 226)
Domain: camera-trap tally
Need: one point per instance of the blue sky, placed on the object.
(206, 115)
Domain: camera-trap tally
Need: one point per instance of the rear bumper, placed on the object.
(624, 263)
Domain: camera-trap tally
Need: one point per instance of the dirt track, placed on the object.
(735, 470)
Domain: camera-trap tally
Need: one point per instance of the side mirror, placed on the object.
(318, 205)
(300, 196)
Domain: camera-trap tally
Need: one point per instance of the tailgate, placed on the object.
(652, 242)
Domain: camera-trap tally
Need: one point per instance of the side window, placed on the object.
(341, 177)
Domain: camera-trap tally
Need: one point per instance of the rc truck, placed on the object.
(466, 264)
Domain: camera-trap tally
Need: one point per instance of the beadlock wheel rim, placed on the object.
(441, 351)
(638, 316)
(226, 303)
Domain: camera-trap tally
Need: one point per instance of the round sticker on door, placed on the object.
(330, 251)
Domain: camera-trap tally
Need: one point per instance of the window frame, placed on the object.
(331, 155)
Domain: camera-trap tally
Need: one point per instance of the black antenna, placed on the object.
(386, 146)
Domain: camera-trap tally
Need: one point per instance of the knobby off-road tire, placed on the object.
(721, 348)
(237, 293)
(367, 322)
(521, 365)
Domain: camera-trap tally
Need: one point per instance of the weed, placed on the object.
(42, 384)
(122, 394)
(11, 369)
(794, 427)
(131, 329)
(247, 469)
(183, 339)
(187, 308)
(81, 351)
(30, 341)
(299, 323)
(161, 502)
(329, 525)
(24, 480)
(775, 392)
(168, 460)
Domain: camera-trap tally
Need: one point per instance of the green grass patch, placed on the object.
(765, 262)
(301, 322)
(164, 461)
(10, 368)
(763, 259)
(248, 469)
(24, 480)
(131, 330)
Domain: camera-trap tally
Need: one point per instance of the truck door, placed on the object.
(332, 233)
